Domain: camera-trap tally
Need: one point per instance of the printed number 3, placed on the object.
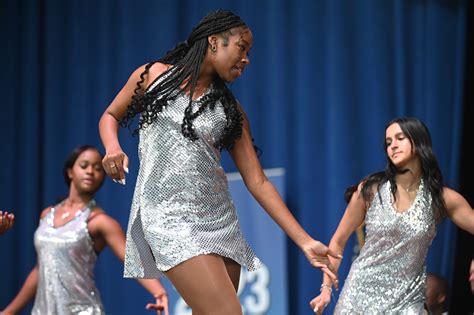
(253, 292)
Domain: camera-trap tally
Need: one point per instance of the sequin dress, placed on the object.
(181, 206)
(388, 277)
(66, 261)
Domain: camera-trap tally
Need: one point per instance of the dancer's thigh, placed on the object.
(206, 286)
(233, 270)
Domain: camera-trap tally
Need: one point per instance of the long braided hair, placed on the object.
(186, 58)
(420, 137)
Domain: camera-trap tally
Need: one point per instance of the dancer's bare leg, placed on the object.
(206, 286)
(233, 270)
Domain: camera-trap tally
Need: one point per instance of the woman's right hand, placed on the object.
(161, 306)
(319, 303)
(115, 164)
(318, 256)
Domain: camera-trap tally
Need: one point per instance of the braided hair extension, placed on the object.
(186, 58)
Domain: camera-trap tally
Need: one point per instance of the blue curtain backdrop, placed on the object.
(325, 77)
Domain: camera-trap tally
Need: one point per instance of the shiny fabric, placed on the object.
(388, 277)
(66, 261)
(181, 206)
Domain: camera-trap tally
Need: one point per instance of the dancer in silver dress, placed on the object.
(183, 222)
(401, 207)
(67, 241)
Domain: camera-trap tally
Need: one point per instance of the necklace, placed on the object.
(409, 188)
(68, 213)
(65, 215)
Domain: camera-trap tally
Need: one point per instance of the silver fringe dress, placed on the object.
(388, 277)
(66, 260)
(181, 206)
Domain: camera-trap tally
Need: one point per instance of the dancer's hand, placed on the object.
(319, 303)
(6, 221)
(161, 306)
(318, 256)
(115, 164)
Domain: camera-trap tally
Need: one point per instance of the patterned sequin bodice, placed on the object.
(171, 161)
(66, 261)
(181, 206)
(389, 274)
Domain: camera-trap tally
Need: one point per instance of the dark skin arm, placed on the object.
(265, 193)
(109, 122)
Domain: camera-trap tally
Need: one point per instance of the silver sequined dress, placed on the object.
(181, 206)
(66, 261)
(388, 277)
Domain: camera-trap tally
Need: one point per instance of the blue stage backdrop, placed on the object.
(325, 77)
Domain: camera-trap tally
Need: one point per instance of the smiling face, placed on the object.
(87, 173)
(399, 147)
(228, 52)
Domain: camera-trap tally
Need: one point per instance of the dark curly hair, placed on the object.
(420, 137)
(186, 59)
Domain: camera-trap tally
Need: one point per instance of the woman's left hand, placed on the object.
(161, 305)
(318, 256)
(319, 303)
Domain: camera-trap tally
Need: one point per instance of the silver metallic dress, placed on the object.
(66, 261)
(388, 277)
(181, 206)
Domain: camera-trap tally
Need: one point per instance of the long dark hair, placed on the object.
(186, 59)
(420, 137)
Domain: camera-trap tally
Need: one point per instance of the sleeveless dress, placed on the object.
(181, 206)
(389, 277)
(66, 261)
